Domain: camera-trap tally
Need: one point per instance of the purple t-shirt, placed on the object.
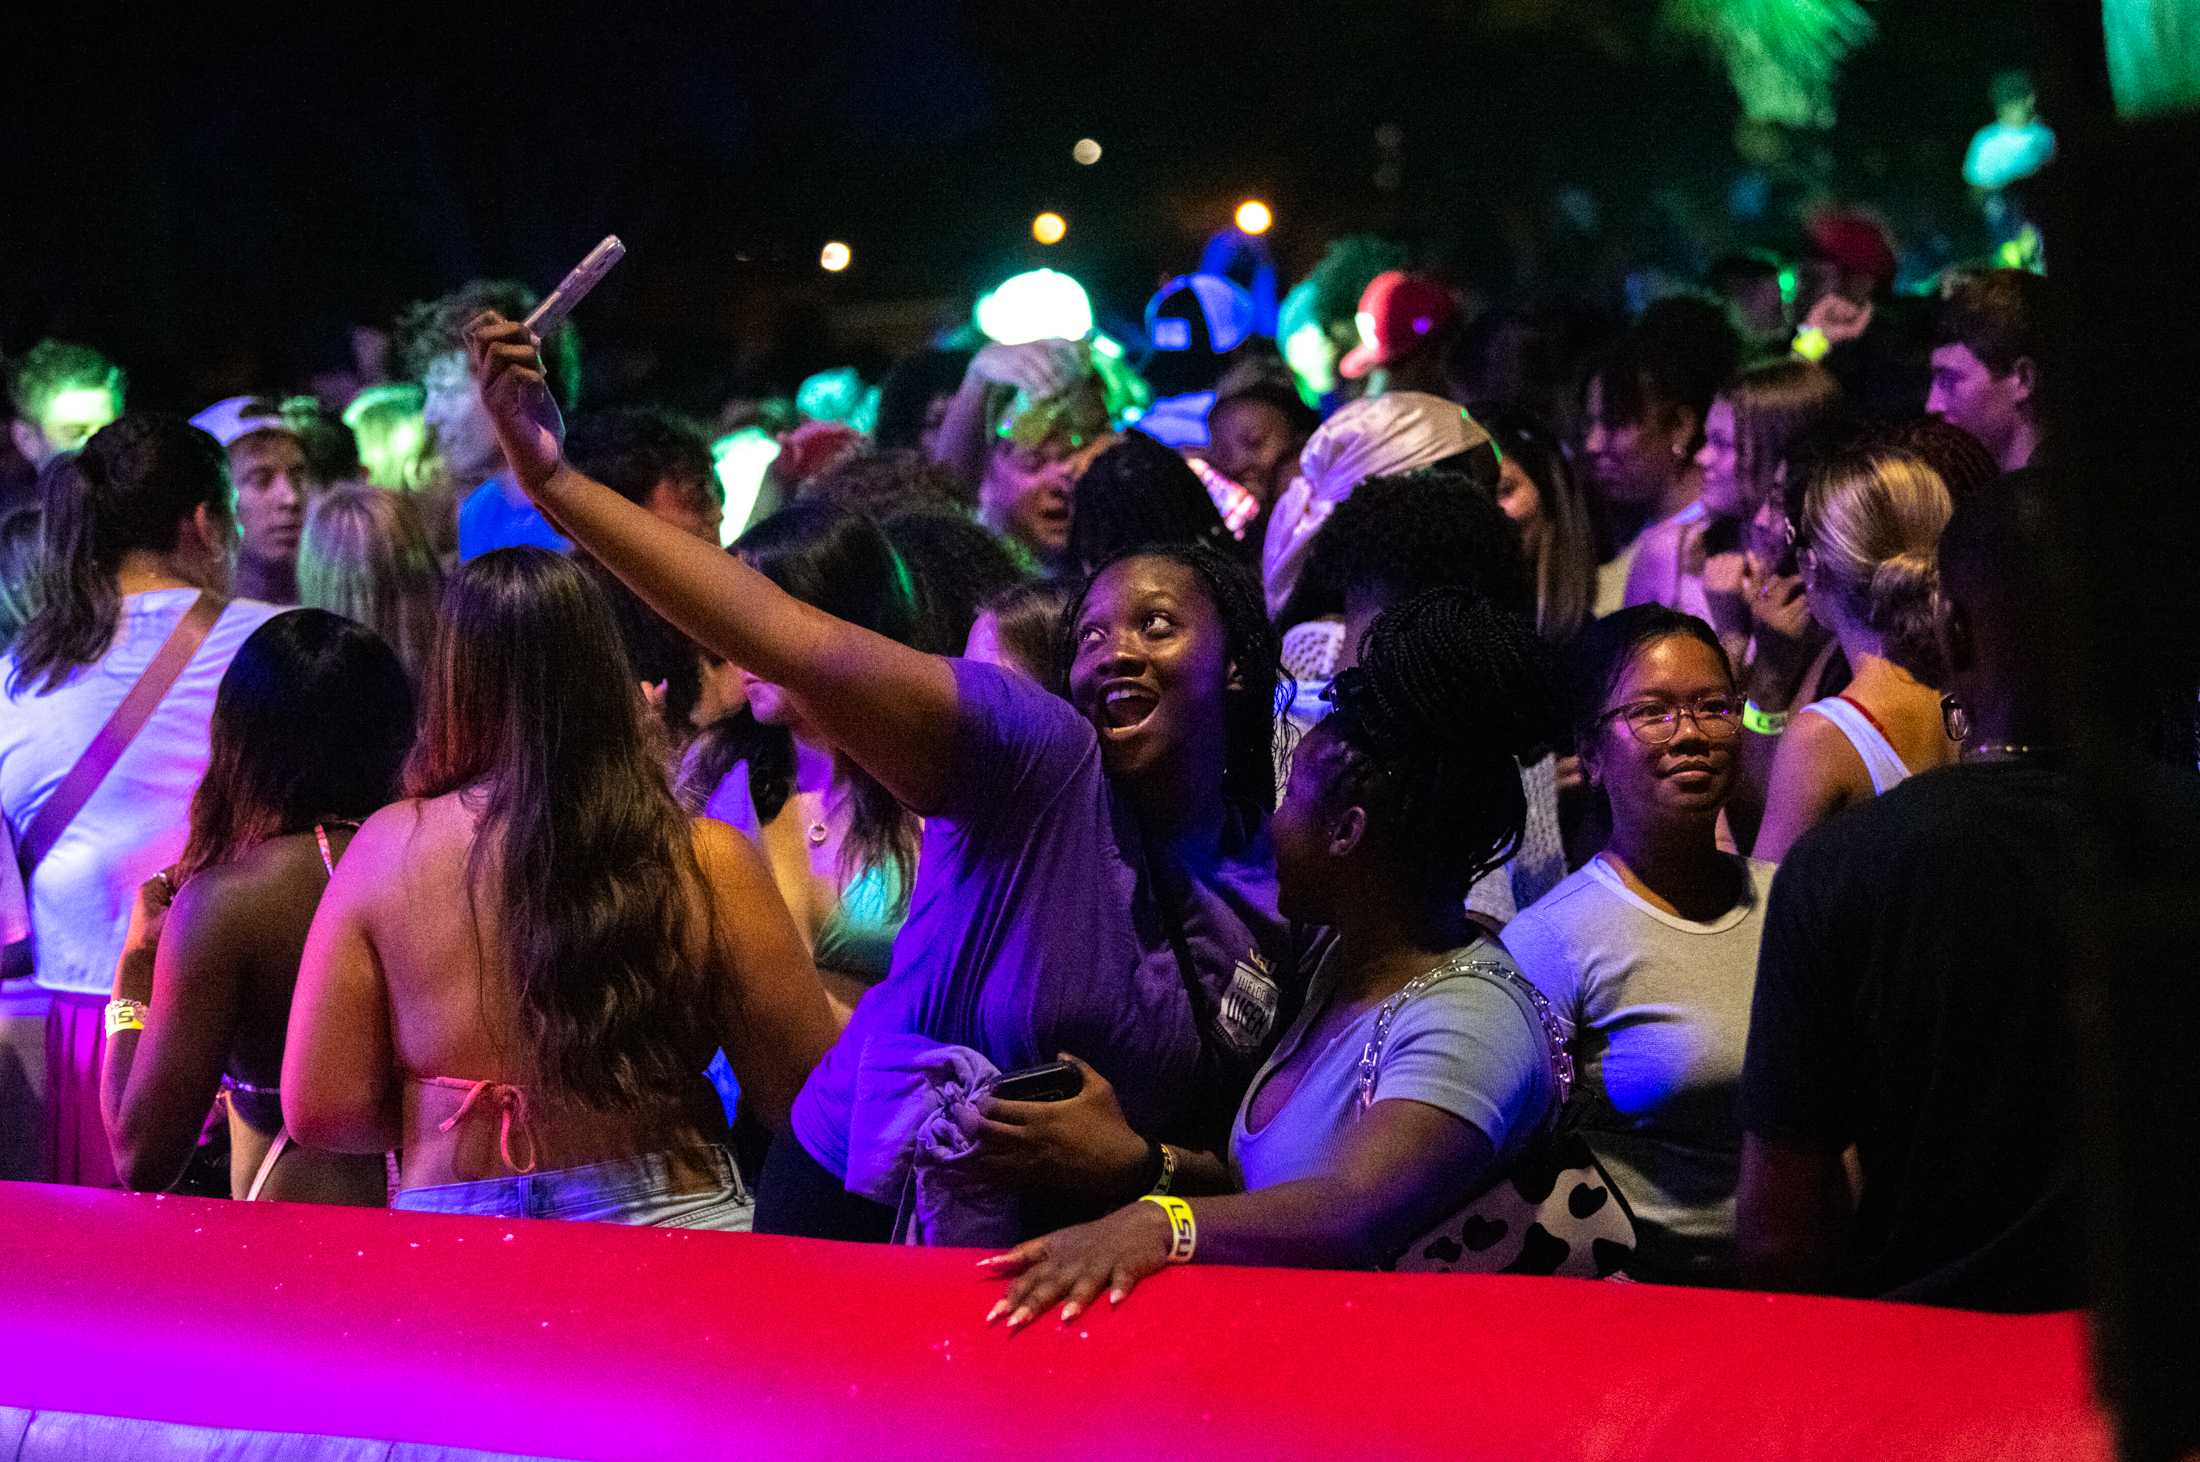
(1033, 927)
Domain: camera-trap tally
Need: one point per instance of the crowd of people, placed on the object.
(1450, 791)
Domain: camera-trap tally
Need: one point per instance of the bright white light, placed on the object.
(741, 460)
(1087, 151)
(835, 257)
(1037, 305)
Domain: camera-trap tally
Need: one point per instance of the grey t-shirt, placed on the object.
(1467, 1045)
(1657, 1009)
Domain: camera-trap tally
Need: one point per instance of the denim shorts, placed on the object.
(657, 1189)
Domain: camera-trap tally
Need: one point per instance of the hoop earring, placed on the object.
(1955, 721)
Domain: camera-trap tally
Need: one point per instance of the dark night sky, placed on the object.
(216, 201)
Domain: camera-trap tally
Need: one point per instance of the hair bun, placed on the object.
(1900, 602)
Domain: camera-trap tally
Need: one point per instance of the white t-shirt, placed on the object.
(1465, 1045)
(77, 908)
(1657, 1011)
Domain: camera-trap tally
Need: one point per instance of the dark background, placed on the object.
(217, 199)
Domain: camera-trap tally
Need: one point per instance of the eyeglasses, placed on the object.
(1657, 722)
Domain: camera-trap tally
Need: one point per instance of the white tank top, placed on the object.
(1880, 758)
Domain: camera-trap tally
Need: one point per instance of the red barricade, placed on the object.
(587, 1340)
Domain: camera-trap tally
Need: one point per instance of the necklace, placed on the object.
(2007, 751)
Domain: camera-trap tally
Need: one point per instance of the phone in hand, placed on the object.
(1056, 1081)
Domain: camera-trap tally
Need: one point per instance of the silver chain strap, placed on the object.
(1554, 1035)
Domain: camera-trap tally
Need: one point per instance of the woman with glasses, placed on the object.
(1870, 525)
(1648, 952)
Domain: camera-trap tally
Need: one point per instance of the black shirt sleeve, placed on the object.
(1801, 1057)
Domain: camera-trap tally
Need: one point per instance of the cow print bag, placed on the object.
(1555, 1211)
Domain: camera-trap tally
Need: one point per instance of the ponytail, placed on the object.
(131, 488)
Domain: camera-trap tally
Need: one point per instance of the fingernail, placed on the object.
(1071, 1311)
(1021, 1317)
(989, 1261)
(1115, 1296)
(995, 1313)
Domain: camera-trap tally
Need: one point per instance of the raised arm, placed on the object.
(891, 709)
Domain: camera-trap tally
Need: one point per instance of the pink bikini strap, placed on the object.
(511, 1103)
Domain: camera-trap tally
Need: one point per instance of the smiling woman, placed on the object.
(1078, 864)
(1649, 952)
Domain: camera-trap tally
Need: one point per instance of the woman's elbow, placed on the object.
(145, 1167)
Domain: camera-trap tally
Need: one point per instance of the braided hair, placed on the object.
(1251, 645)
(1450, 693)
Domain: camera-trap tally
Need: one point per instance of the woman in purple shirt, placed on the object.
(1095, 874)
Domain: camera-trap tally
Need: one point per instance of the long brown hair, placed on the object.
(1775, 404)
(587, 858)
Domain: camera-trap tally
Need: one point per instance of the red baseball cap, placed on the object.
(1398, 311)
(1854, 239)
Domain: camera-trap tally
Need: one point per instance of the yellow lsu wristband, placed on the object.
(1183, 1228)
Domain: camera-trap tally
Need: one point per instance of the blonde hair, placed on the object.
(387, 423)
(365, 555)
(1872, 519)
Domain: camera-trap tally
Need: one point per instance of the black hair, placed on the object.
(1609, 645)
(658, 652)
(883, 483)
(1678, 353)
(1405, 534)
(1962, 461)
(1250, 644)
(54, 366)
(1268, 381)
(908, 392)
(2000, 316)
(430, 329)
(1563, 571)
(1027, 619)
(1751, 266)
(958, 564)
(22, 542)
(1139, 492)
(1450, 692)
(133, 486)
(630, 449)
(835, 559)
(313, 720)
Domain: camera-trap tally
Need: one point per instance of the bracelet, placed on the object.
(124, 1015)
(1183, 1228)
(1165, 1164)
(1764, 723)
